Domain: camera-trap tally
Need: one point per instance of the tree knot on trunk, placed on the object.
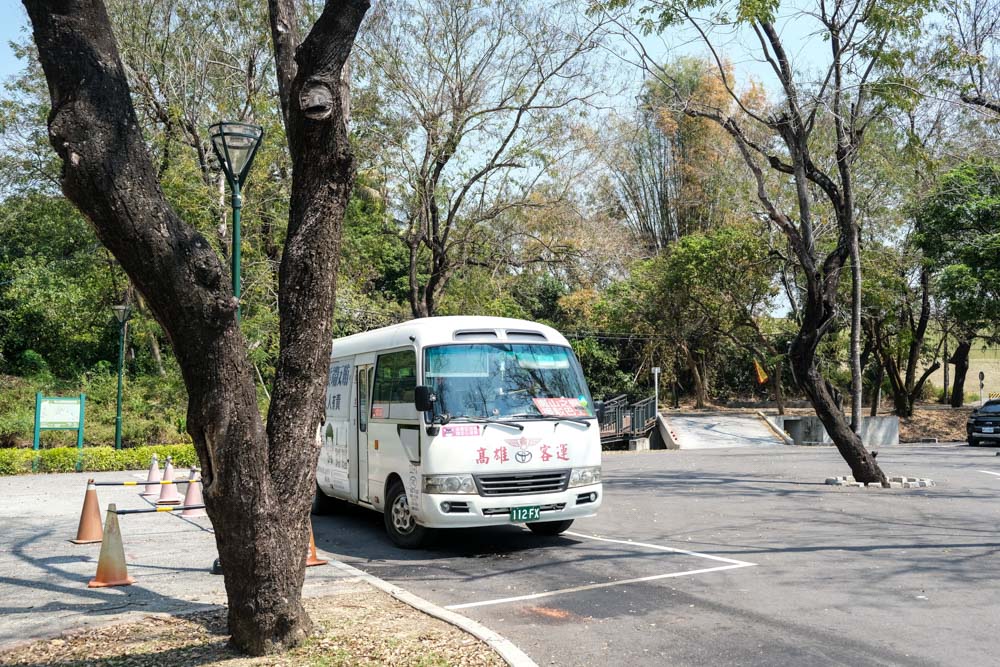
(316, 100)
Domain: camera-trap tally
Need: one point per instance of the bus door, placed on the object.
(365, 373)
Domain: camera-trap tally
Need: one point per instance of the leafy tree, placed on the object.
(725, 278)
(958, 229)
(476, 107)
(867, 42)
(897, 314)
(670, 171)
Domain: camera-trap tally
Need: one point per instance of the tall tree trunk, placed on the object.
(154, 351)
(877, 390)
(855, 330)
(257, 481)
(946, 370)
(776, 392)
(961, 361)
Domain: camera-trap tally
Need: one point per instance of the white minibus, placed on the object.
(448, 422)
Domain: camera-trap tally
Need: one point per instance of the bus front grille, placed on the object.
(518, 484)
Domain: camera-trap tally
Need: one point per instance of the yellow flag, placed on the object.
(761, 375)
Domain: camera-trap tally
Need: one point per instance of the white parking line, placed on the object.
(732, 564)
(990, 473)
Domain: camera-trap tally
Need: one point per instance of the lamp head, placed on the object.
(235, 144)
(122, 312)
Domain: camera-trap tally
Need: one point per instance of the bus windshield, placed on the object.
(499, 380)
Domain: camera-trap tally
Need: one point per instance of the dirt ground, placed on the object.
(927, 423)
(945, 424)
(364, 629)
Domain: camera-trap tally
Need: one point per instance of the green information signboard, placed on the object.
(57, 413)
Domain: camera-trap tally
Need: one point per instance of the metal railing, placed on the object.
(623, 421)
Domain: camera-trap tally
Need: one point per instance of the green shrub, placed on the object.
(15, 461)
(94, 459)
(58, 459)
(32, 363)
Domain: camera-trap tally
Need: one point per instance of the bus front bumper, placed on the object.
(466, 511)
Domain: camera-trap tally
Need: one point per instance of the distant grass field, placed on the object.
(980, 359)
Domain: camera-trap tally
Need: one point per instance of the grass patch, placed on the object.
(153, 410)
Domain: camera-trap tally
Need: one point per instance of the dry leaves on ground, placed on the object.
(361, 628)
(945, 424)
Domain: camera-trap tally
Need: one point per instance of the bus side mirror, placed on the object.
(599, 410)
(424, 399)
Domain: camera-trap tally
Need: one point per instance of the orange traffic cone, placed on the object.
(311, 559)
(152, 479)
(193, 495)
(168, 492)
(111, 569)
(89, 530)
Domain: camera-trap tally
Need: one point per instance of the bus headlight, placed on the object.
(457, 484)
(584, 476)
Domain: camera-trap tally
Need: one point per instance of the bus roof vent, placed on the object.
(487, 334)
(525, 335)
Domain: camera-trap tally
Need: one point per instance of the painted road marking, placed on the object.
(731, 564)
(990, 473)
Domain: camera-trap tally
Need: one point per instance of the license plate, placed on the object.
(987, 429)
(520, 514)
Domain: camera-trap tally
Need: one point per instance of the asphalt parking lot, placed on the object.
(710, 557)
(730, 557)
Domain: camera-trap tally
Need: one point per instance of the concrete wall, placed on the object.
(809, 430)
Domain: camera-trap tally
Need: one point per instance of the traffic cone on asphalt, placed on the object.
(152, 479)
(89, 530)
(311, 559)
(168, 492)
(111, 569)
(193, 495)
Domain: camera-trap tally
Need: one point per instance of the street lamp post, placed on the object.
(235, 145)
(122, 313)
(656, 387)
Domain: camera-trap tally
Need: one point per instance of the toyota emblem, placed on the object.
(522, 456)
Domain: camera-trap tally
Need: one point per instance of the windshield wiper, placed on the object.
(577, 420)
(489, 420)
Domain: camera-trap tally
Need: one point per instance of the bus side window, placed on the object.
(395, 381)
(362, 399)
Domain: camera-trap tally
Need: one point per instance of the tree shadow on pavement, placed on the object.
(42, 591)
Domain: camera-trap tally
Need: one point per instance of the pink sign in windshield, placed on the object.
(560, 407)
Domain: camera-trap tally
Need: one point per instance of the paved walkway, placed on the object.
(43, 577)
(714, 431)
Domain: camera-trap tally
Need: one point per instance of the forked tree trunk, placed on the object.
(860, 460)
(700, 393)
(257, 480)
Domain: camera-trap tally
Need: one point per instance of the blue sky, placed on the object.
(13, 23)
(806, 49)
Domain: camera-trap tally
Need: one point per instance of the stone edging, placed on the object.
(510, 653)
(894, 482)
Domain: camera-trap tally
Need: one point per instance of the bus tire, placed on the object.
(322, 503)
(550, 528)
(402, 528)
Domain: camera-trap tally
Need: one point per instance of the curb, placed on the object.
(511, 654)
(778, 433)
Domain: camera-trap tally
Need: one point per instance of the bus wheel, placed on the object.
(322, 503)
(550, 527)
(399, 522)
